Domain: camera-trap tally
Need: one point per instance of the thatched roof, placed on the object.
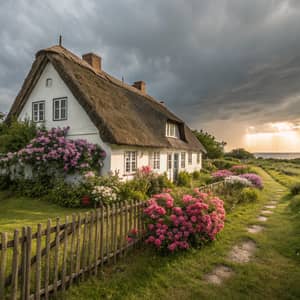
(123, 114)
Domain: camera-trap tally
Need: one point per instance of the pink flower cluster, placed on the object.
(53, 147)
(221, 174)
(194, 219)
(145, 170)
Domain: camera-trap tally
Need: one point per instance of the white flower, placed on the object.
(238, 180)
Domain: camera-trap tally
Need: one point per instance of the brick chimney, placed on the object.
(93, 60)
(140, 85)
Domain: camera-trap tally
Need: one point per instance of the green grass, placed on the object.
(273, 274)
(286, 173)
(16, 212)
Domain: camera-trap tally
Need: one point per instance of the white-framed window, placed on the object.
(130, 161)
(60, 109)
(48, 82)
(190, 158)
(38, 111)
(169, 163)
(155, 160)
(198, 157)
(172, 130)
(182, 162)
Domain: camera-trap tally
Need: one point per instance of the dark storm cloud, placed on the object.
(208, 60)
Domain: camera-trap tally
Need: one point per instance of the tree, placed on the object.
(2, 116)
(214, 148)
(240, 153)
(15, 135)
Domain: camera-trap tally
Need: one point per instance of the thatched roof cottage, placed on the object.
(133, 128)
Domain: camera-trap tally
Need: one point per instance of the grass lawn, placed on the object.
(274, 273)
(16, 212)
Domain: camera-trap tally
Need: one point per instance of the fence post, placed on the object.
(121, 206)
(65, 253)
(47, 259)
(91, 227)
(96, 241)
(107, 232)
(116, 233)
(38, 262)
(126, 227)
(23, 262)
(3, 264)
(101, 236)
(28, 263)
(15, 266)
(84, 245)
(73, 228)
(78, 247)
(56, 256)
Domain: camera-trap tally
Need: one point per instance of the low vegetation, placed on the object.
(147, 275)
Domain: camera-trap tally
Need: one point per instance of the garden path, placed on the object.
(243, 252)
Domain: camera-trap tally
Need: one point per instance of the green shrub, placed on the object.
(208, 165)
(249, 195)
(67, 195)
(222, 164)
(295, 204)
(184, 179)
(5, 182)
(158, 183)
(295, 189)
(35, 187)
(16, 135)
(196, 175)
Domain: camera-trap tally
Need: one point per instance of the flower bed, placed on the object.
(194, 220)
(254, 179)
(221, 174)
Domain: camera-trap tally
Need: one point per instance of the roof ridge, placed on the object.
(102, 74)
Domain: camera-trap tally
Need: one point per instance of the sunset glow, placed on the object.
(273, 137)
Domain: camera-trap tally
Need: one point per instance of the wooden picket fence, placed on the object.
(35, 265)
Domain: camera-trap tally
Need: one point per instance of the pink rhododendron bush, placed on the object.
(51, 149)
(193, 220)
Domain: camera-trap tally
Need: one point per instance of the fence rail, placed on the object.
(35, 265)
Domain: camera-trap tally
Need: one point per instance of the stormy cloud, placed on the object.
(214, 63)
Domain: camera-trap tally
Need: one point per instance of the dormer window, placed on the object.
(172, 130)
(48, 82)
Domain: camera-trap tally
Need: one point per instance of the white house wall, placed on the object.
(143, 159)
(81, 127)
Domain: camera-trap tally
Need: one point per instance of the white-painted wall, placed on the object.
(81, 127)
(143, 159)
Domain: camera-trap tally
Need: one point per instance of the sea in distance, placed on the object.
(277, 155)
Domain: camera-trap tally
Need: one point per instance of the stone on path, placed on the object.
(243, 252)
(270, 206)
(273, 202)
(218, 274)
(262, 218)
(255, 228)
(266, 212)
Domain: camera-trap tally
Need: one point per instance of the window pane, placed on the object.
(41, 115)
(63, 113)
(56, 104)
(182, 159)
